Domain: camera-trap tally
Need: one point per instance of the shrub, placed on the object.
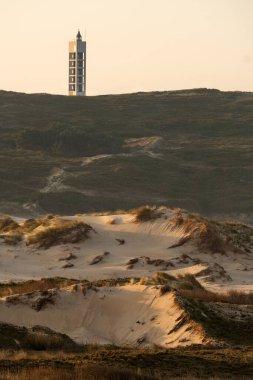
(30, 286)
(188, 281)
(232, 296)
(7, 224)
(30, 224)
(146, 213)
(66, 231)
(164, 289)
(143, 281)
(13, 239)
(41, 341)
(163, 278)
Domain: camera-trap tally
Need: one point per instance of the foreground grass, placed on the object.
(87, 373)
(111, 363)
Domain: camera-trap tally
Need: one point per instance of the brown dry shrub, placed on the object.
(12, 239)
(30, 224)
(204, 232)
(67, 231)
(7, 224)
(146, 213)
(188, 281)
(42, 341)
(7, 289)
(231, 297)
(162, 278)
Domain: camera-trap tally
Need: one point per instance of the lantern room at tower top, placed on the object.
(77, 67)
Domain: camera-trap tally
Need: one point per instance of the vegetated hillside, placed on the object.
(189, 148)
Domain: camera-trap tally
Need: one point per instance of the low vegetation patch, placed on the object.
(7, 224)
(12, 238)
(188, 282)
(210, 235)
(41, 341)
(146, 213)
(189, 363)
(232, 296)
(43, 232)
(88, 372)
(61, 232)
(36, 338)
(30, 286)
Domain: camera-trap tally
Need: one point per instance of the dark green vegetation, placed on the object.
(111, 363)
(202, 158)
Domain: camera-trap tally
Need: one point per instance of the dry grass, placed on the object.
(12, 238)
(30, 286)
(188, 281)
(44, 232)
(146, 213)
(7, 224)
(231, 297)
(61, 232)
(212, 236)
(41, 341)
(142, 364)
(88, 372)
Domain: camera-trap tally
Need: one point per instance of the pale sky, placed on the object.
(132, 45)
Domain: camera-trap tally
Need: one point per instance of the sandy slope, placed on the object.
(147, 241)
(131, 315)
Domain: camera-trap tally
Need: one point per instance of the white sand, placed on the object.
(144, 240)
(131, 315)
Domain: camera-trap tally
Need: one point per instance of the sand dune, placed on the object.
(132, 315)
(120, 247)
(129, 245)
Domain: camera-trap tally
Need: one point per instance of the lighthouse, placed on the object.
(77, 66)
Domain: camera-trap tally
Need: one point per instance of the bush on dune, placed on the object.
(210, 235)
(7, 224)
(41, 341)
(146, 213)
(61, 232)
(189, 282)
(236, 297)
(12, 238)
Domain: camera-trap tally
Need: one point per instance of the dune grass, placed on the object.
(63, 232)
(129, 364)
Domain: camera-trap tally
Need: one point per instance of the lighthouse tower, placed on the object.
(77, 66)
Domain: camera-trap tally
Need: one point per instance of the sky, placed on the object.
(132, 45)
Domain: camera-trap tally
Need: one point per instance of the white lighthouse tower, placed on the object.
(77, 66)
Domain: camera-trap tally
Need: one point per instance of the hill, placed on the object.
(65, 155)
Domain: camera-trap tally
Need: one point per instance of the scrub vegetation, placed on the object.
(191, 149)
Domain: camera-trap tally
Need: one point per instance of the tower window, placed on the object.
(80, 88)
(80, 71)
(72, 87)
(72, 55)
(72, 64)
(80, 55)
(72, 72)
